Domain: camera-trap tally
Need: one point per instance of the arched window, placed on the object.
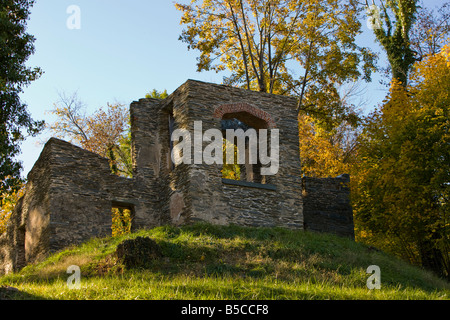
(245, 121)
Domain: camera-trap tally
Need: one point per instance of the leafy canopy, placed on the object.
(304, 48)
(401, 183)
(16, 46)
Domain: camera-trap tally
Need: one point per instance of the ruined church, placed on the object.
(71, 192)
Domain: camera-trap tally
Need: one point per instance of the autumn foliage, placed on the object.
(305, 49)
(398, 156)
(9, 200)
(105, 132)
(401, 180)
(322, 153)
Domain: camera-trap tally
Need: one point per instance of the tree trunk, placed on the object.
(432, 258)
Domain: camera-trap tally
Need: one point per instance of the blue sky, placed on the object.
(123, 50)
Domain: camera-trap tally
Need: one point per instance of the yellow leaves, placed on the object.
(431, 82)
(255, 39)
(318, 155)
(233, 170)
(8, 204)
(446, 54)
(398, 105)
(403, 168)
(121, 221)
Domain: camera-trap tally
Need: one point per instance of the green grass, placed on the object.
(211, 262)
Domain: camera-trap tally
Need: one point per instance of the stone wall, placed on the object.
(199, 188)
(326, 205)
(27, 235)
(68, 200)
(149, 162)
(82, 193)
(71, 191)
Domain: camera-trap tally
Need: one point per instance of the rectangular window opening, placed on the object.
(122, 218)
(242, 172)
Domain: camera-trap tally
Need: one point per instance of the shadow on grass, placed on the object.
(11, 293)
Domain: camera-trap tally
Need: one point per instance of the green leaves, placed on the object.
(15, 48)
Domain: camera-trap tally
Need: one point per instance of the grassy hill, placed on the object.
(211, 262)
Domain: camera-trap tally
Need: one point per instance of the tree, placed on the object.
(16, 46)
(10, 199)
(328, 152)
(105, 132)
(323, 153)
(431, 31)
(155, 94)
(230, 170)
(408, 32)
(393, 32)
(261, 42)
(401, 184)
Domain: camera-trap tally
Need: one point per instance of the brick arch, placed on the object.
(220, 111)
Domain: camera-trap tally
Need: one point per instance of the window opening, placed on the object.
(249, 172)
(122, 216)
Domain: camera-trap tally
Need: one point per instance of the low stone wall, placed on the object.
(255, 205)
(326, 205)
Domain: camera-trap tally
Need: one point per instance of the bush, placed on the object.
(138, 252)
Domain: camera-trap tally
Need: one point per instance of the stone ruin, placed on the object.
(71, 192)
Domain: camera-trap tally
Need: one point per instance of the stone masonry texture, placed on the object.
(70, 191)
